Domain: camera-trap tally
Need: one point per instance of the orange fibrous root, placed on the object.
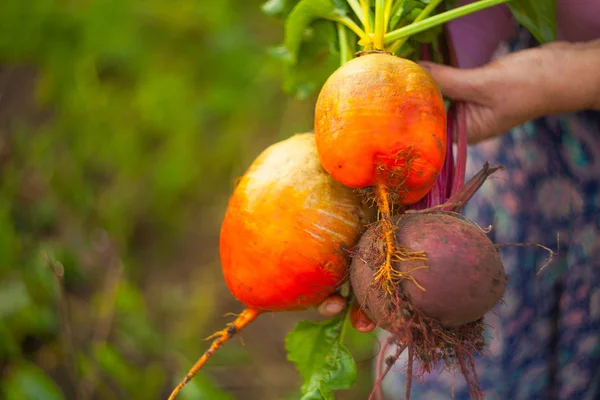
(246, 317)
(387, 276)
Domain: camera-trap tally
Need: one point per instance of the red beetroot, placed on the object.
(453, 277)
(462, 274)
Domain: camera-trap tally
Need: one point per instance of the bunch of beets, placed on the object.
(352, 202)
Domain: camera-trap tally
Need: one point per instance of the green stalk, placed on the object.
(427, 10)
(387, 13)
(355, 5)
(406, 52)
(422, 15)
(394, 47)
(439, 19)
(365, 4)
(346, 321)
(345, 53)
(352, 26)
(396, 13)
(379, 24)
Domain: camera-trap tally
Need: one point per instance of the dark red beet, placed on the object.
(464, 275)
(449, 275)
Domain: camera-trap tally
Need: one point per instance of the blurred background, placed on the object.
(123, 125)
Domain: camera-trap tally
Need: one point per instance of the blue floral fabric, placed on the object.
(544, 338)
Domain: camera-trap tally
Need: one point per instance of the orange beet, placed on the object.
(380, 119)
(286, 228)
(284, 236)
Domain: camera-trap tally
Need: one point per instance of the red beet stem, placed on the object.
(449, 171)
(452, 175)
(461, 156)
(377, 394)
(461, 123)
(425, 52)
(460, 197)
(379, 369)
(442, 188)
(409, 372)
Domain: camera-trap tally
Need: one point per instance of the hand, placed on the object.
(522, 86)
(335, 304)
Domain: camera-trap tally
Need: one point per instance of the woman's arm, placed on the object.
(581, 68)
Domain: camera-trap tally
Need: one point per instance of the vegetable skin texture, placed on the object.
(463, 275)
(380, 119)
(285, 230)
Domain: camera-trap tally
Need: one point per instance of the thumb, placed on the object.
(456, 83)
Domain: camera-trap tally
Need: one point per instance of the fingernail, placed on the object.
(334, 308)
(362, 323)
(365, 327)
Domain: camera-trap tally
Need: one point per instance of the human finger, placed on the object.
(458, 84)
(331, 306)
(360, 321)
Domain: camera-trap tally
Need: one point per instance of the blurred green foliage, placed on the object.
(113, 181)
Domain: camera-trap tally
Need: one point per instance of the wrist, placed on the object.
(590, 69)
(574, 83)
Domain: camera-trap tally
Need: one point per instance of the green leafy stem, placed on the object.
(433, 4)
(378, 39)
(386, 15)
(420, 24)
(313, 43)
(318, 352)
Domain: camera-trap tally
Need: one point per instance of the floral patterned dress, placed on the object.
(544, 339)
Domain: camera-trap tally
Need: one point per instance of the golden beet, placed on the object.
(380, 119)
(285, 236)
(286, 229)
